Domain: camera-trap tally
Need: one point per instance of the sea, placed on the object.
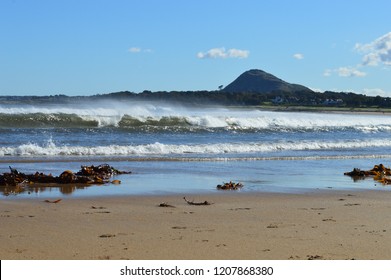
(178, 149)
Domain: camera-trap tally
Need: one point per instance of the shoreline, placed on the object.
(316, 225)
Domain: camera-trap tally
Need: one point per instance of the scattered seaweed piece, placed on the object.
(314, 257)
(98, 207)
(272, 226)
(177, 227)
(378, 172)
(165, 204)
(52, 201)
(106, 235)
(230, 186)
(197, 203)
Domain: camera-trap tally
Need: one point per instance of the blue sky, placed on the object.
(101, 46)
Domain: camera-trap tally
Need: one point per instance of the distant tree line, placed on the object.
(298, 98)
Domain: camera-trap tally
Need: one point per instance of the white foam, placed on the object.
(50, 149)
(111, 114)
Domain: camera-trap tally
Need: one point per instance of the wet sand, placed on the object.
(335, 225)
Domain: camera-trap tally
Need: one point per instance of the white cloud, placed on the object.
(376, 52)
(365, 91)
(327, 72)
(134, 50)
(375, 92)
(345, 72)
(350, 72)
(238, 53)
(298, 56)
(223, 53)
(138, 50)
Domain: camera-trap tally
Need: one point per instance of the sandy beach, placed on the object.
(334, 225)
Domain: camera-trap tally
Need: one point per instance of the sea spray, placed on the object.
(154, 117)
(142, 130)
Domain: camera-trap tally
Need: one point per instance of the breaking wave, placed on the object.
(171, 118)
(160, 149)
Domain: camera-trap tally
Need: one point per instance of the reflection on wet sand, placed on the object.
(39, 188)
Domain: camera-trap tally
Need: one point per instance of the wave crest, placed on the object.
(160, 149)
(167, 118)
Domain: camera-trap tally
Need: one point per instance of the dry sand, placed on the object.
(335, 225)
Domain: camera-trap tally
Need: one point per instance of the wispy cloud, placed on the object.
(138, 50)
(223, 53)
(375, 92)
(298, 56)
(328, 72)
(348, 71)
(134, 50)
(376, 52)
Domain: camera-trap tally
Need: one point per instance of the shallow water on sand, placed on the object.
(199, 177)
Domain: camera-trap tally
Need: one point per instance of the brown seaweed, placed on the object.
(86, 175)
(52, 201)
(197, 203)
(230, 186)
(380, 173)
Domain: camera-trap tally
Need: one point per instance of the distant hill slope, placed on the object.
(261, 82)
